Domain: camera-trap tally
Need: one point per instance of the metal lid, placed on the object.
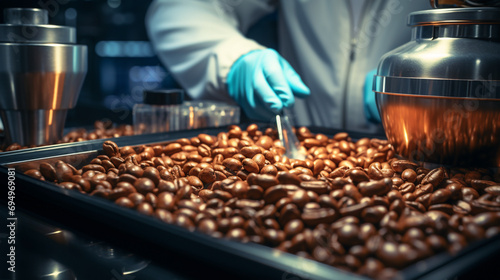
(462, 15)
(164, 97)
(30, 25)
(464, 3)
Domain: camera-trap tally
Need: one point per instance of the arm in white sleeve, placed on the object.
(198, 41)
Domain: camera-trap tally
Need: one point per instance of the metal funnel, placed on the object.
(41, 74)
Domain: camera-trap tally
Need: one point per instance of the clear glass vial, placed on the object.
(159, 112)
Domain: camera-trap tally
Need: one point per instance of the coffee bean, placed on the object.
(492, 231)
(299, 198)
(401, 165)
(172, 148)
(372, 268)
(195, 182)
(255, 192)
(166, 200)
(440, 196)
(145, 208)
(379, 187)
(274, 193)
(110, 148)
(35, 173)
(232, 164)
(293, 228)
(63, 171)
(94, 167)
(136, 198)
(273, 237)
(357, 176)
(373, 214)
(250, 151)
(144, 185)
(250, 165)
(240, 189)
(469, 194)
(288, 213)
(269, 169)
(409, 175)
(493, 190)
(125, 202)
(349, 235)
(375, 171)
(184, 221)
(135, 170)
(319, 187)
(389, 254)
(207, 175)
(263, 180)
(434, 177)
(423, 189)
(265, 142)
(322, 215)
(405, 188)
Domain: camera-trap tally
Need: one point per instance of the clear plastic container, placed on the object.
(159, 112)
(164, 110)
(200, 114)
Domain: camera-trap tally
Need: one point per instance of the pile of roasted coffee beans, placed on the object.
(102, 129)
(352, 205)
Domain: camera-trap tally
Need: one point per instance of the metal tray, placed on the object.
(164, 243)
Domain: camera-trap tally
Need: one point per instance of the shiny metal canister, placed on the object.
(439, 94)
(41, 74)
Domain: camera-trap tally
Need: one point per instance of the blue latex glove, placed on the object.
(263, 83)
(371, 111)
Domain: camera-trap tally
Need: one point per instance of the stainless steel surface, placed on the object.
(439, 94)
(37, 34)
(41, 75)
(463, 3)
(444, 55)
(48, 123)
(26, 16)
(453, 15)
(472, 31)
(438, 87)
(24, 25)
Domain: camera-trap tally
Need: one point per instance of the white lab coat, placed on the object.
(199, 40)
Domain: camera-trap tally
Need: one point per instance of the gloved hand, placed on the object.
(371, 111)
(263, 83)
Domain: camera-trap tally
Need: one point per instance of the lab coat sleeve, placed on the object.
(198, 42)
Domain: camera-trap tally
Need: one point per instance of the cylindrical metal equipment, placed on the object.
(41, 74)
(439, 94)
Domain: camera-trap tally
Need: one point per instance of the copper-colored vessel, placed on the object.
(455, 131)
(439, 94)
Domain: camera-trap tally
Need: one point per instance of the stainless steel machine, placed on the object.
(439, 94)
(42, 70)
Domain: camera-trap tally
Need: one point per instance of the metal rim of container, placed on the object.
(454, 88)
(470, 31)
(13, 33)
(31, 25)
(454, 16)
(26, 16)
(464, 3)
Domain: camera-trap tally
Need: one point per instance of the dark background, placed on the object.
(121, 62)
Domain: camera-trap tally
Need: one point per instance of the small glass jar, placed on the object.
(160, 112)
